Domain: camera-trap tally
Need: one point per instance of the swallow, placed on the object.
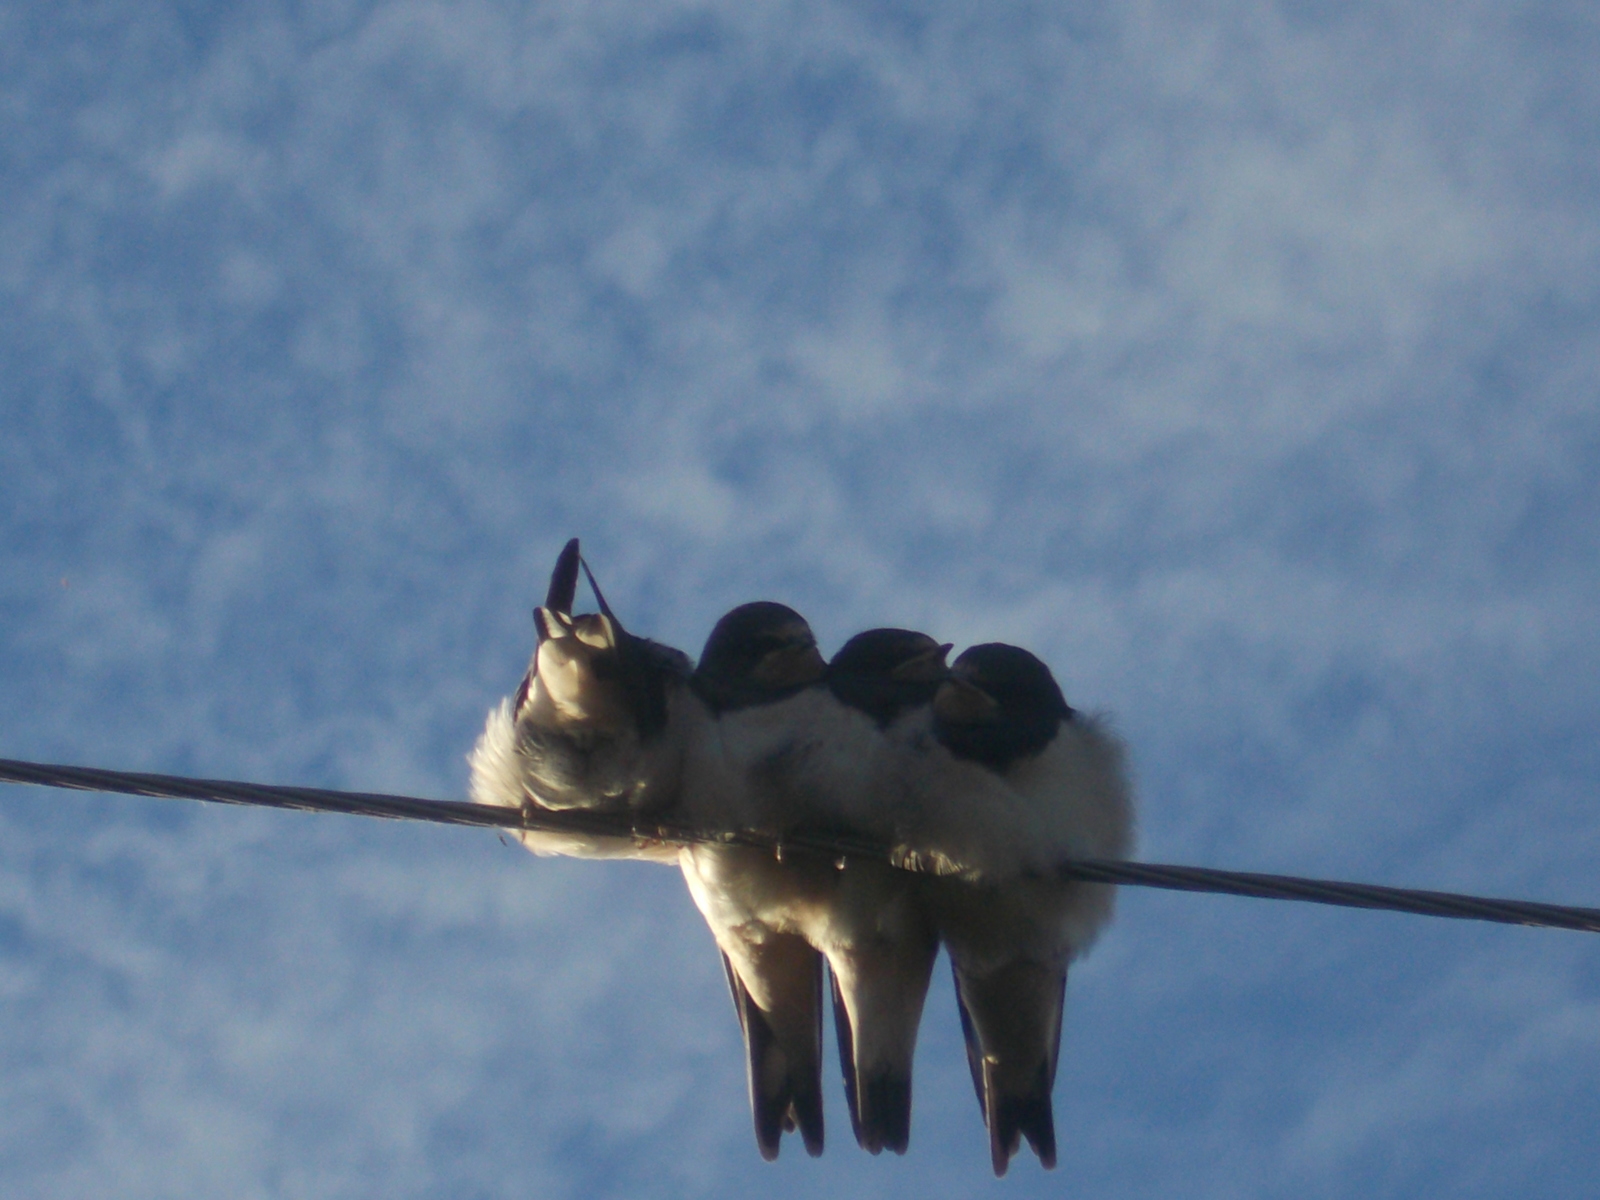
(597, 723)
(1011, 935)
(757, 676)
(878, 939)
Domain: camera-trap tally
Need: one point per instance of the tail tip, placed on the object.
(886, 1112)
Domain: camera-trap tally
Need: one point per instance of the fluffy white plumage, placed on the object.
(1011, 936)
(980, 775)
(817, 760)
(599, 722)
(503, 775)
(755, 683)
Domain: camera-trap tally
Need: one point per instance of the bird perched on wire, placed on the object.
(602, 721)
(596, 724)
(756, 680)
(879, 941)
(981, 774)
(1011, 934)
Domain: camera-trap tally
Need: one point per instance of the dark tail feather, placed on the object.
(886, 1112)
(880, 1105)
(768, 1110)
(1031, 1114)
(807, 1085)
(1003, 1140)
(783, 1095)
(1023, 1115)
(564, 580)
(1012, 1022)
(847, 1064)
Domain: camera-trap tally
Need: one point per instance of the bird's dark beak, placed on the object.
(790, 666)
(927, 667)
(963, 703)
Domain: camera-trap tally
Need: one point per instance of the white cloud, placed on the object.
(1239, 358)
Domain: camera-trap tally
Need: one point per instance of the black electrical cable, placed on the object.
(622, 825)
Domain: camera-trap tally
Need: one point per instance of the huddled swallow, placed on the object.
(758, 662)
(1010, 938)
(879, 941)
(592, 725)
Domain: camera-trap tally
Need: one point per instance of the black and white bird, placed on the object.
(757, 680)
(1011, 934)
(598, 723)
(879, 940)
(604, 720)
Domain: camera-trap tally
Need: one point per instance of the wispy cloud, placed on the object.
(1240, 358)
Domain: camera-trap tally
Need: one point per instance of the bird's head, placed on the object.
(1000, 703)
(883, 672)
(756, 654)
(590, 671)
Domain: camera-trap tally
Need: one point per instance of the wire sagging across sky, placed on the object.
(455, 812)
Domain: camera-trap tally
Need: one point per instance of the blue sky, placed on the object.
(1241, 359)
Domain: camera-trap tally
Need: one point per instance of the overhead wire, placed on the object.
(839, 847)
